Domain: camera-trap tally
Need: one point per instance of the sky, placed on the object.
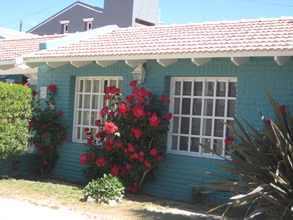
(33, 12)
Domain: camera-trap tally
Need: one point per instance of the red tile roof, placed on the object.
(263, 35)
(10, 49)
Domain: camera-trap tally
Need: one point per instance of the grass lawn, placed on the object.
(60, 194)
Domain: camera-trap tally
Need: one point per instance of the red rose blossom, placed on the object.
(160, 159)
(60, 112)
(168, 101)
(31, 123)
(128, 166)
(168, 116)
(97, 122)
(138, 110)
(228, 140)
(52, 88)
(110, 127)
(153, 151)
(84, 158)
(162, 97)
(154, 121)
(64, 137)
(34, 92)
(45, 163)
(101, 161)
(133, 83)
(115, 170)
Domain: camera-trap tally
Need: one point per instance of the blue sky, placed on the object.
(33, 12)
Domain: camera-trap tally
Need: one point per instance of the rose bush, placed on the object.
(48, 131)
(129, 142)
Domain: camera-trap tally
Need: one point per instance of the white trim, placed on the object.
(65, 22)
(200, 61)
(88, 19)
(166, 62)
(280, 60)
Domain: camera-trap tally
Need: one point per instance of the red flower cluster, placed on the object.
(154, 120)
(52, 88)
(110, 127)
(84, 158)
(137, 132)
(228, 140)
(101, 162)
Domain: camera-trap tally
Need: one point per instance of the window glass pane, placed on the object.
(207, 127)
(86, 118)
(176, 105)
(88, 85)
(174, 142)
(79, 101)
(194, 146)
(78, 118)
(177, 88)
(232, 89)
(198, 88)
(184, 143)
(175, 124)
(80, 86)
(94, 117)
(185, 126)
(218, 146)
(229, 133)
(207, 143)
(208, 107)
(221, 89)
(120, 85)
(219, 128)
(197, 106)
(186, 88)
(209, 89)
(96, 86)
(195, 126)
(87, 102)
(231, 108)
(113, 83)
(95, 101)
(83, 135)
(220, 108)
(186, 106)
(78, 132)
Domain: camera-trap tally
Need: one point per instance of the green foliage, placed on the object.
(265, 167)
(15, 111)
(129, 143)
(48, 130)
(104, 189)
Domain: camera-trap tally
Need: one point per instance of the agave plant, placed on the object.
(263, 165)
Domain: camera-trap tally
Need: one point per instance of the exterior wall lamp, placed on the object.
(139, 74)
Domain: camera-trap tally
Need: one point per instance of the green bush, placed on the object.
(104, 189)
(263, 164)
(15, 111)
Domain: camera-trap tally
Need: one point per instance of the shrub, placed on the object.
(263, 161)
(104, 189)
(48, 130)
(15, 111)
(129, 142)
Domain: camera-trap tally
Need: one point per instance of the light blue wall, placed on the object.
(176, 172)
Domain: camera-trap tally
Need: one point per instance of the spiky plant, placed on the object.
(263, 165)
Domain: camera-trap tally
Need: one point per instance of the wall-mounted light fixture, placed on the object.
(139, 74)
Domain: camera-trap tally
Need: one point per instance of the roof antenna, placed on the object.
(20, 26)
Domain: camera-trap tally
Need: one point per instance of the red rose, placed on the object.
(109, 146)
(52, 146)
(135, 155)
(160, 159)
(148, 94)
(147, 164)
(60, 112)
(134, 190)
(45, 126)
(138, 110)
(52, 88)
(101, 134)
(110, 127)
(104, 111)
(120, 144)
(141, 91)
(168, 101)
(228, 140)
(141, 159)
(129, 98)
(97, 122)
(168, 116)
(141, 100)
(130, 147)
(129, 188)
(162, 97)
(135, 184)
(137, 132)
(100, 161)
(134, 90)
(86, 129)
(34, 92)
(84, 158)
(45, 133)
(282, 108)
(153, 151)
(128, 166)
(30, 123)
(115, 170)
(141, 153)
(45, 163)
(154, 121)
(36, 144)
(133, 83)
(90, 141)
(123, 108)
(63, 137)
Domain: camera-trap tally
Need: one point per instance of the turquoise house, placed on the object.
(210, 71)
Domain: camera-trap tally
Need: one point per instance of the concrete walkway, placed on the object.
(16, 210)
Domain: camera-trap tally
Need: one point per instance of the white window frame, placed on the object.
(89, 100)
(65, 26)
(175, 133)
(89, 23)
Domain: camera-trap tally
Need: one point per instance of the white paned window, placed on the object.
(199, 105)
(89, 100)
